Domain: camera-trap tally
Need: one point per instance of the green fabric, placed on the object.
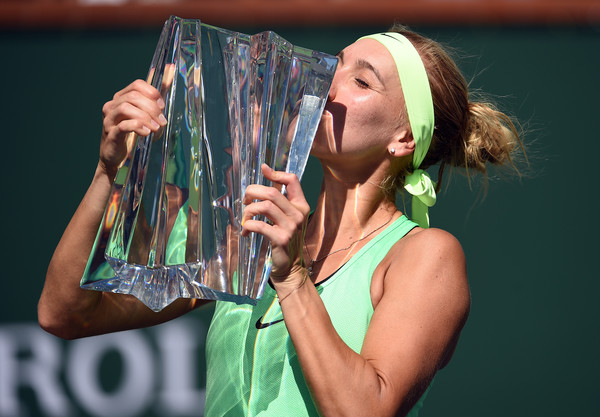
(252, 372)
(176, 243)
(419, 106)
(419, 184)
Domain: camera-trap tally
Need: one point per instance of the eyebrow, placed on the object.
(363, 64)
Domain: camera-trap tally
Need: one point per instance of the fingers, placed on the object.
(138, 108)
(269, 201)
(271, 194)
(287, 215)
(142, 87)
(294, 191)
(281, 227)
(138, 102)
(131, 116)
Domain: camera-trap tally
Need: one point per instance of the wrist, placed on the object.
(105, 172)
(294, 274)
(295, 279)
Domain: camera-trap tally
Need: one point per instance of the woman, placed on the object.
(364, 306)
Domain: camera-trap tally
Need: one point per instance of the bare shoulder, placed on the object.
(427, 248)
(425, 261)
(426, 251)
(428, 240)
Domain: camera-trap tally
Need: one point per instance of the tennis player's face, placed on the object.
(365, 106)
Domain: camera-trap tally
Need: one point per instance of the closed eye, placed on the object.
(362, 83)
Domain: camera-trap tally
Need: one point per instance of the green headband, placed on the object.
(419, 107)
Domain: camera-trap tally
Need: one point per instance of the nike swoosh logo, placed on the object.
(261, 325)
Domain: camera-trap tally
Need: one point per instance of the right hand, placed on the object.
(135, 109)
(287, 215)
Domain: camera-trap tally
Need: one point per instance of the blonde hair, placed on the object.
(467, 134)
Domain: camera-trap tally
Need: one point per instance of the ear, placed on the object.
(402, 144)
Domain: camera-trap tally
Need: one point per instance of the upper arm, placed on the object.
(417, 321)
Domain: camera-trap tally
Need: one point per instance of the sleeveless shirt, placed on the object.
(252, 366)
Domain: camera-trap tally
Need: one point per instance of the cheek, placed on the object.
(372, 117)
(360, 122)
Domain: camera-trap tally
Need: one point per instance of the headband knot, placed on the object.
(418, 183)
(419, 107)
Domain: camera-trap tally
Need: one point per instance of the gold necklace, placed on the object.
(309, 268)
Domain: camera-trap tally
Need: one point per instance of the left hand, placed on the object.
(287, 214)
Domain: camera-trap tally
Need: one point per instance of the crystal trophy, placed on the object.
(171, 228)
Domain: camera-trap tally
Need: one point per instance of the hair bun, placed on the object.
(490, 136)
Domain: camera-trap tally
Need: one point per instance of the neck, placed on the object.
(348, 209)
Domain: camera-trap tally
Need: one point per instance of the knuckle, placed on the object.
(125, 126)
(305, 209)
(290, 231)
(134, 95)
(121, 108)
(106, 108)
(250, 211)
(272, 193)
(299, 219)
(268, 205)
(289, 176)
(113, 132)
(256, 226)
(121, 127)
(139, 83)
(247, 215)
(154, 91)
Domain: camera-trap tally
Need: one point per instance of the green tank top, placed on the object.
(252, 367)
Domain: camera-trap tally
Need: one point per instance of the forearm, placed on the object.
(64, 309)
(62, 303)
(342, 382)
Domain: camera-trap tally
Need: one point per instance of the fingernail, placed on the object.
(161, 103)
(154, 124)
(162, 119)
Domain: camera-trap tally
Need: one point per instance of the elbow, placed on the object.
(56, 324)
(394, 400)
(57, 331)
(376, 399)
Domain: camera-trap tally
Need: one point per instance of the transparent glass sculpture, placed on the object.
(172, 225)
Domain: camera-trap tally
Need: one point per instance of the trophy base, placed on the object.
(159, 287)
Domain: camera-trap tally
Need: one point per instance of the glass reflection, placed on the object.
(233, 101)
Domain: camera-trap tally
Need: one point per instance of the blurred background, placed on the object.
(530, 347)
